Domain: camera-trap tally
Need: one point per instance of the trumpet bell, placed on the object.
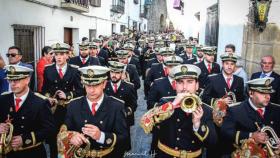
(190, 103)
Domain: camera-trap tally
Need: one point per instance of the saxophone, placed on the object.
(6, 139)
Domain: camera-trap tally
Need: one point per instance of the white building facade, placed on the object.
(32, 24)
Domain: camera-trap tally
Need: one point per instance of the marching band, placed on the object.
(86, 104)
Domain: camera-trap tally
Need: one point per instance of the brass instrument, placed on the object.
(65, 149)
(190, 103)
(272, 142)
(248, 149)
(220, 108)
(6, 139)
(79, 152)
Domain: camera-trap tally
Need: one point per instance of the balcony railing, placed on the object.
(76, 5)
(117, 9)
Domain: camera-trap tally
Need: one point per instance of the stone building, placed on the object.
(157, 15)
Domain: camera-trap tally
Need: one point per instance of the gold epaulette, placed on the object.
(5, 93)
(234, 104)
(49, 64)
(41, 96)
(75, 99)
(74, 66)
(118, 99)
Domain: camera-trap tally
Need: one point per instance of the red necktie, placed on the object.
(165, 71)
(18, 100)
(93, 108)
(260, 111)
(83, 60)
(115, 87)
(60, 73)
(228, 82)
(209, 68)
(174, 85)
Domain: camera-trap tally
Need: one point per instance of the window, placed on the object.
(92, 34)
(122, 28)
(95, 3)
(118, 6)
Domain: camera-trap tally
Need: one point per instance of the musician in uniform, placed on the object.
(227, 82)
(122, 90)
(245, 120)
(158, 70)
(96, 119)
(130, 71)
(30, 118)
(61, 83)
(208, 66)
(132, 58)
(199, 53)
(187, 54)
(146, 55)
(84, 59)
(93, 51)
(183, 132)
(162, 87)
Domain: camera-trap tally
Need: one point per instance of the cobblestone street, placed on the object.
(140, 141)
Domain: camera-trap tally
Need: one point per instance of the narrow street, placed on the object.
(140, 141)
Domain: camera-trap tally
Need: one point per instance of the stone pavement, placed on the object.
(140, 141)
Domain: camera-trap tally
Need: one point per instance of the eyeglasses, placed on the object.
(11, 55)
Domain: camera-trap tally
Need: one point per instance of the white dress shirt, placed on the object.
(231, 78)
(64, 68)
(101, 140)
(23, 98)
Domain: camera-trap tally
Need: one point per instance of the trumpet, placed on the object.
(190, 103)
(5, 140)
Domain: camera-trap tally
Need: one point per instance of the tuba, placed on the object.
(220, 108)
(190, 103)
(6, 139)
(67, 150)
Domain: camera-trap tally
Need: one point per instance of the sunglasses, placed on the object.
(11, 55)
